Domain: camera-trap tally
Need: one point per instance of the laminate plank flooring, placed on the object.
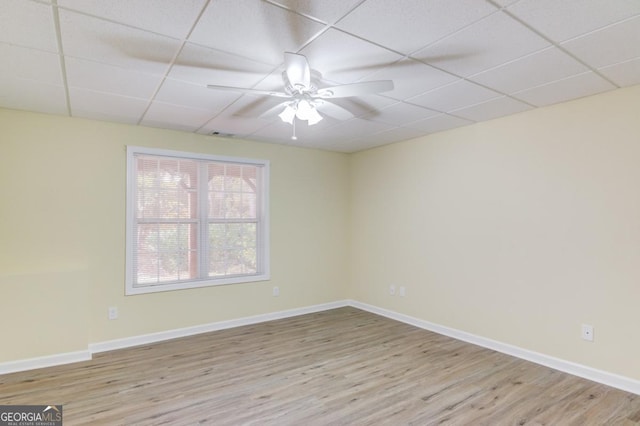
(338, 367)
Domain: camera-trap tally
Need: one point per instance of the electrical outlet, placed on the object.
(587, 332)
(276, 291)
(392, 290)
(403, 291)
(113, 312)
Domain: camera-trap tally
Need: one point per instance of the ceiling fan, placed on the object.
(305, 100)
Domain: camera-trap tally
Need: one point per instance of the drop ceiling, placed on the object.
(453, 63)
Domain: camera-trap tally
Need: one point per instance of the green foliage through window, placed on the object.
(195, 219)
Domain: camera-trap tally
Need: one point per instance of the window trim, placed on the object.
(263, 245)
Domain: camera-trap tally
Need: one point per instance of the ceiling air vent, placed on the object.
(222, 134)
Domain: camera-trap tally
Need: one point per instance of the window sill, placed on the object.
(157, 288)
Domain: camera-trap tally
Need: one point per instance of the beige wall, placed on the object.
(519, 229)
(62, 235)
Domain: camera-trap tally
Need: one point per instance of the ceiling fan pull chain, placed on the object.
(294, 137)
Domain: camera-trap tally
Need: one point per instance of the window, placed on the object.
(194, 220)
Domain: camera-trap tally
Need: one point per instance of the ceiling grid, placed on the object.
(148, 62)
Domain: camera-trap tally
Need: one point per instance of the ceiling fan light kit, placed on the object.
(302, 110)
(288, 114)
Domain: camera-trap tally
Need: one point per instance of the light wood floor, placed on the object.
(339, 367)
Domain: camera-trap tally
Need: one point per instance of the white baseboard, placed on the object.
(128, 342)
(44, 361)
(599, 376)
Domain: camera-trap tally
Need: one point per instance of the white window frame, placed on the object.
(262, 248)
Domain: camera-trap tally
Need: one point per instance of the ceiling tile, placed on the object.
(275, 132)
(400, 113)
(194, 96)
(273, 81)
(369, 105)
(99, 105)
(162, 114)
(258, 138)
(31, 64)
(595, 48)
(166, 17)
(411, 78)
(101, 41)
(314, 144)
(563, 90)
(440, 123)
(565, 19)
(533, 70)
(307, 135)
(494, 108)
(354, 129)
(280, 132)
(454, 96)
(408, 25)
(623, 74)
(202, 65)
(253, 29)
(504, 3)
(487, 43)
(342, 58)
(326, 10)
(396, 134)
(235, 120)
(32, 95)
(354, 145)
(255, 106)
(348, 146)
(108, 78)
(28, 24)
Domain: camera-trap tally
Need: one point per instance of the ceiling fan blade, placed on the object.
(297, 70)
(273, 111)
(332, 110)
(250, 91)
(354, 89)
(406, 62)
